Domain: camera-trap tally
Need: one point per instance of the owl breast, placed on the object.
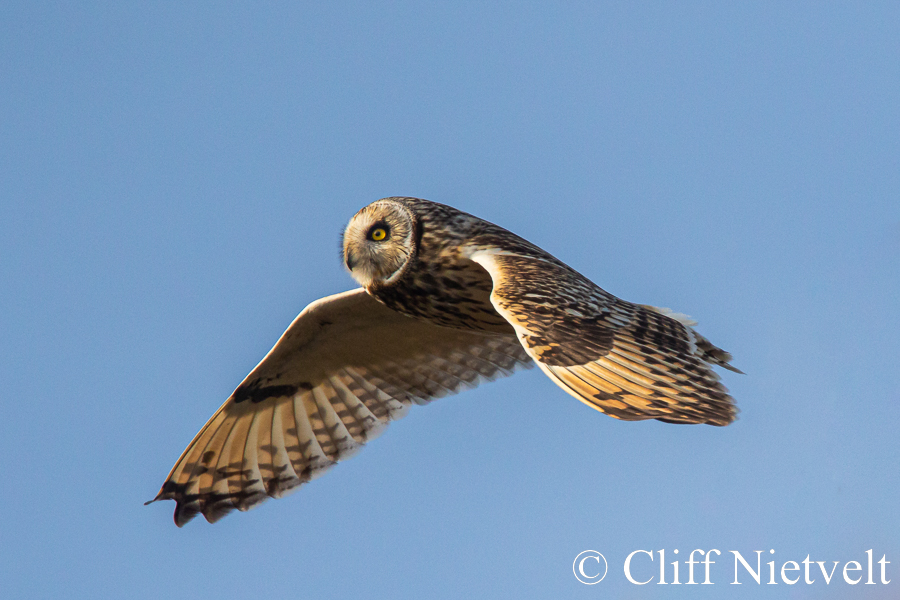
(448, 291)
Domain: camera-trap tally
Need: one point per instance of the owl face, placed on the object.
(379, 242)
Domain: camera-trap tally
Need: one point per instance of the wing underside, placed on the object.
(344, 369)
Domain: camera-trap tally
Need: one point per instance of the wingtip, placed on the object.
(157, 498)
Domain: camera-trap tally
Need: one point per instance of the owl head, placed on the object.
(380, 242)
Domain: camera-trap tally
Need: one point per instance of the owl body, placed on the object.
(444, 285)
(448, 300)
(440, 284)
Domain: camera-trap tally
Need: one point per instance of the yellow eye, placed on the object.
(378, 234)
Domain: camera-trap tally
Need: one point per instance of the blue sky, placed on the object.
(173, 184)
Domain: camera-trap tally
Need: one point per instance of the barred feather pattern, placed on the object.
(626, 360)
(280, 430)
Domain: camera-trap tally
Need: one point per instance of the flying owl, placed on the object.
(448, 300)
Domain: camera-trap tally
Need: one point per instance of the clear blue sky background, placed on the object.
(173, 184)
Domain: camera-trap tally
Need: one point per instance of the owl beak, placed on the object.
(350, 261)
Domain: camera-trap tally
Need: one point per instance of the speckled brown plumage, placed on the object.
(450, 300)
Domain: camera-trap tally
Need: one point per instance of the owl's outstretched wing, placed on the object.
(344, 368)
(629, 361)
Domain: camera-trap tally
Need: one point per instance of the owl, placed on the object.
(447, 301)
